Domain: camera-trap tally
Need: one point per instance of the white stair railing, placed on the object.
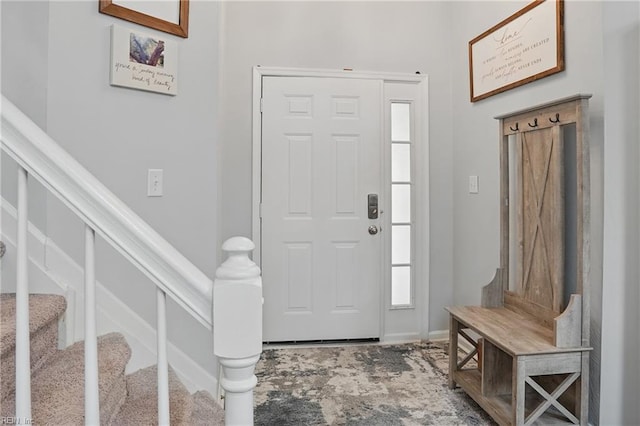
(163, 362)
(23, 350)
(91, 390)
(236, 319)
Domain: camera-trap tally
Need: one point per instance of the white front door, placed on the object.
(321, 158)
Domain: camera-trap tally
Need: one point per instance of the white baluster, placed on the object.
(91, 392)
(237, 328)
(163, 364)
(23, 350)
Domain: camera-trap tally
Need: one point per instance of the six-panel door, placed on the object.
(321, 159)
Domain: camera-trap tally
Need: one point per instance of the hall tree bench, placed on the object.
(523, 355)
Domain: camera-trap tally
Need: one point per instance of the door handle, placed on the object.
(373, 230)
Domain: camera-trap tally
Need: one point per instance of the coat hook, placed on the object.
(535, 123)
(514, 130)
(557, 120)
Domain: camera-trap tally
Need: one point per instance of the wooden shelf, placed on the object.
(499, 407)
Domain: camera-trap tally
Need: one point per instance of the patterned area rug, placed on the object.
(361, 385)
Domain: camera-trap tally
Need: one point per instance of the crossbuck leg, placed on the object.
(552, 399)
(471, 354)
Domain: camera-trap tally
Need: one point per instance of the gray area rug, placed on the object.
(361, 385)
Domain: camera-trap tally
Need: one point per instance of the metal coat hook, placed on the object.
(514, 130)
(535, 123)
(557, 120)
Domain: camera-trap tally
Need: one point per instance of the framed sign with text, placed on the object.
(143, 61)
(525, 47)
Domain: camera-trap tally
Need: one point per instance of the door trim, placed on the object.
(422, 178)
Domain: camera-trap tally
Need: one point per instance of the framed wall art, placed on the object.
(170, 16)
(525, 47)
(143, 61)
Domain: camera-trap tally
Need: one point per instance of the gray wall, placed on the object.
(119, 133)
(24, 81)
(476, 149)
(620, 385)
(365, 36)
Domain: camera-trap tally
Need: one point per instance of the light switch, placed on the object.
(473, 184)
(154, 183)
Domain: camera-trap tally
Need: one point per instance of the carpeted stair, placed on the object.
(57, 376)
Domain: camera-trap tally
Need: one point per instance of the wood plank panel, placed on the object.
(498, 366)
(542, 218)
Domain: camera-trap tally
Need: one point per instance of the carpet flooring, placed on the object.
(57, 379)
(368, 385)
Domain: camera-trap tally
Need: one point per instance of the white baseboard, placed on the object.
(51, 270)
(400, 338)
(438, 335)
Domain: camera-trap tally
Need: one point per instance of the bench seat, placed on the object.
(516, 353)
(513, 332)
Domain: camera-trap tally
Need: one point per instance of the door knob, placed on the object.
(373, 230)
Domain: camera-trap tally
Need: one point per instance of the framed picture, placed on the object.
(170, 16)
(525, 47)
(143, 61)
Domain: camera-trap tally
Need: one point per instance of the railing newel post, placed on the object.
(237, 328)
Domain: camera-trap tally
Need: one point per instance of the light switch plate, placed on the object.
(154, 183)
(473, 184)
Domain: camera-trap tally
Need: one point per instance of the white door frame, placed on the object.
(422, 248)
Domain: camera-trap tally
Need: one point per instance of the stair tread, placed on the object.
(206, 411)
(58, 387)
(43, 308)
(141, 405)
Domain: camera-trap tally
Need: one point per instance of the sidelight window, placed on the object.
(401, 211)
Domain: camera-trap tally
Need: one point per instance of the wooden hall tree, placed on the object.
(530, 337)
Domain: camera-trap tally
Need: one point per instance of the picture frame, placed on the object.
(170, 16)
(143, 61)
(525, 47)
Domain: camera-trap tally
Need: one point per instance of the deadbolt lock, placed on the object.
(372, 206)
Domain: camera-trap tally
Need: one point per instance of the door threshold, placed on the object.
(319, 343)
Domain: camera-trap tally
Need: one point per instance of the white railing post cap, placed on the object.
(238, 266)
(238, 244)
